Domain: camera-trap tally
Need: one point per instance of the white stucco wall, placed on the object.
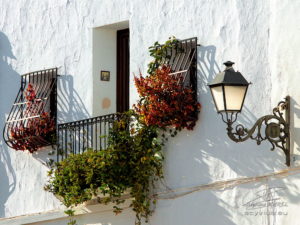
(104, 59)
(262, 37)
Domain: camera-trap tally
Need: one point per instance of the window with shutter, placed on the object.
(182, 59)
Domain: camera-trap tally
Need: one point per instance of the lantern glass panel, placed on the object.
(217, 93)
(234, 96)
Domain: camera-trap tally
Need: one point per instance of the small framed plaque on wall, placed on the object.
(105, 75)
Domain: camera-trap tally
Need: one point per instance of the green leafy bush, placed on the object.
(132, 162)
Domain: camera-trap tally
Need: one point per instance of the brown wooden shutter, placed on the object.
(183, 62)
(122, 70)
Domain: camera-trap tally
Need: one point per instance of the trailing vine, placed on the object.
(133, 161)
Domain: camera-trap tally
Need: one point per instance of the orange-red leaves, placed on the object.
(164, 101)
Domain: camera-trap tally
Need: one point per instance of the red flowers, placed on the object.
(36, 131)
(30, 94)
(165, 102)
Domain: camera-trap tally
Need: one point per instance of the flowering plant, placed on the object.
(164, 101)
(37, 129)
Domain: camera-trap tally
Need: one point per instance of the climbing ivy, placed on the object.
(161, 53)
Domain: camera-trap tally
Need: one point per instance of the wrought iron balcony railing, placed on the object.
(78, 136)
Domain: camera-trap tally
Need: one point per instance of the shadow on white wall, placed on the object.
(10, 81)
(207, 155)
(70, 108)
(295, 131)
(69, 104)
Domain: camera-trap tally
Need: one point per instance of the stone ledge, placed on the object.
(88, 207)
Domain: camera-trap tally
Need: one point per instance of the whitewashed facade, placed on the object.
(212, 178)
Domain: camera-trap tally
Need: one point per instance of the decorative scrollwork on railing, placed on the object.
(276, 128)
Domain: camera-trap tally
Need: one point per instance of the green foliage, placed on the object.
(76, 178)
(161, 52)
(133, 161)
(70, 212)
(72, 222)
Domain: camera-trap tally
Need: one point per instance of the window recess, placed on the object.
(31, 123)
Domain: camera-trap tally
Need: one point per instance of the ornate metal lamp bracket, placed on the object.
(276, 125)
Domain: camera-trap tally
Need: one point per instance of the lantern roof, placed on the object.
(229, 77)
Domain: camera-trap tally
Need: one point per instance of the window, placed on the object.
(183, 62)
(31, 123)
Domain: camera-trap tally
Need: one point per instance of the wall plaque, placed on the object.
(105, 75)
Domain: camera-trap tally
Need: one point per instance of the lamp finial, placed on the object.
(228, 64)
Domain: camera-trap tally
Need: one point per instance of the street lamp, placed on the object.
(229, 89)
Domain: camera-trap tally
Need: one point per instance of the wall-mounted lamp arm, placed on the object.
(276, 126)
